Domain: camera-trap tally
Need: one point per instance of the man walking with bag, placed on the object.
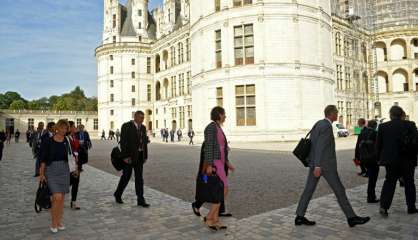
(323, 162)
(133, 144)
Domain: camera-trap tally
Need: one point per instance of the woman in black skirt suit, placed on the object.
(56, 172)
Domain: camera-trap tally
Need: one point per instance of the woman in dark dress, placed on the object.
(56, 172)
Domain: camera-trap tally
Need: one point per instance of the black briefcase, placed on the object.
(303, 149)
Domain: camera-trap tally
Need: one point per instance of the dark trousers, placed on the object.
(74, 182)
(373, 172)
(126, 176)
(37, 165)
(393, 173)
(363, 168)
(198, 205)
(191, 141)
(1, 150)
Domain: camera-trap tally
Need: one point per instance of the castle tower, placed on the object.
(140, 17)
(112, 21)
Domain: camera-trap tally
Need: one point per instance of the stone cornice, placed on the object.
(123, 47)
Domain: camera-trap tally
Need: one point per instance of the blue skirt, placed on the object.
(58, 177)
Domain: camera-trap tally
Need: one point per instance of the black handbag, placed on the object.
(209, 190)
(43, 197)
(117, 158)
(303, 149)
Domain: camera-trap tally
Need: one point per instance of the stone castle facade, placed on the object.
(272, 64)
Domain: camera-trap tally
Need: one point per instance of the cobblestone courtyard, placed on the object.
(170, 217)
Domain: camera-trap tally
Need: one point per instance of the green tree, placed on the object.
(18, 105)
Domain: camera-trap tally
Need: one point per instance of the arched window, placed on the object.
(157, 63)
(381, 51)
(383, 82)
(398, 49)
(158, 91)
(400, 81)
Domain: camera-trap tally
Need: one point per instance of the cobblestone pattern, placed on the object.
(171, 218)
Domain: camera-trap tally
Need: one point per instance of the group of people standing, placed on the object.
(111, 135)
(59, 152)
(165, 134)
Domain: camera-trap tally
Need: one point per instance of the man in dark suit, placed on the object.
(362, 124)
(323, 162)
(398, 159)
(134, 146)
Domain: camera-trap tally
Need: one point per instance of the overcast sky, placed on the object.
(47, 46)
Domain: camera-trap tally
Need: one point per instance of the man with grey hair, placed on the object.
(323, 162)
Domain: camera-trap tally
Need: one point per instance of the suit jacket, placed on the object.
(322, 152)
(131, 140)
(388, 142)
(360, 138)
(211, 148)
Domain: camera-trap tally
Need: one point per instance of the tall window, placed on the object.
(218, 48)
(111, 69)
(114, 39)
(133, 88)
(133, 74)
(173, 55)
(180, 52)
(244, 44)
(217, 5)
(78, 121)
(133, 102)
(114, 21)
(189, 111)
(187, 49)
(111, 57)
(148, 64)
(239, 3)
(173, 113)
(95, 124)
(219, 97)
(339, 77)
(347, 78)
(148, 92)
(181, 117)
(173, 86)
(181, 84)
(245, 105)
(31, 122)
(139, 12)
(139, 25)
(111, 83)
(338, 44)
(112, 125)
(189, 83)
(112, 112)
(133, 61)
(112, 97)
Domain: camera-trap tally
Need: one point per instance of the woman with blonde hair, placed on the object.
(55, 171)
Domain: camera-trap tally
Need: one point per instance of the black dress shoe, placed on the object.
(357, 221)
(303, 221)
(118, 199)
(195, 210)
(412, 211)
(373, 201)
(384, 212)
(143, 204)
(225, 215)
